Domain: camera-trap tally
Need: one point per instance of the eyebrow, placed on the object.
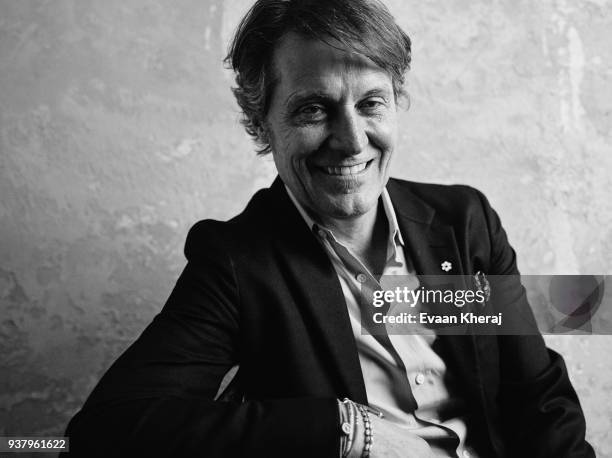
(380, 91)
(299, 96)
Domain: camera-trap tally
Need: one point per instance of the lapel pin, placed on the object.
(446, 266)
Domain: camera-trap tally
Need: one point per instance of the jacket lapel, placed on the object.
(320, 295)
(429, 243)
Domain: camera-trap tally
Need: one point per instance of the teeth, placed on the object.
(346, 170)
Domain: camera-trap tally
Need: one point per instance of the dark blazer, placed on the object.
(260, 291)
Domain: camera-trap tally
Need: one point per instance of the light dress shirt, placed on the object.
(440, 418)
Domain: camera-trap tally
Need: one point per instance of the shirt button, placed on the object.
(419, 379)
(321, 233)
(361, 278)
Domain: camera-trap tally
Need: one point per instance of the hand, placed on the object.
(391, 441)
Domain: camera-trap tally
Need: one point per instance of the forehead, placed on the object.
(306, 65)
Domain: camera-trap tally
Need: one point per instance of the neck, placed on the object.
(366, 236)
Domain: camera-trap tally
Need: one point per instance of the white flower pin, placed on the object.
(446, 266)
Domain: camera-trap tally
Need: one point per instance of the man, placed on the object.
(276, 290)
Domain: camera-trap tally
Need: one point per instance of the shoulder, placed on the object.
(210, 237)
(448, 202)
(438, 194)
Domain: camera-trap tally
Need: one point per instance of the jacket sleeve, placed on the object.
(541, 414)
(157, 399)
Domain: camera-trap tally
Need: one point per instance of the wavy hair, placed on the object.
(363, 26)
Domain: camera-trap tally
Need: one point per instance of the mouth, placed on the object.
(355, 169)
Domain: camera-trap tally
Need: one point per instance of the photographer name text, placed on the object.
(426, 318)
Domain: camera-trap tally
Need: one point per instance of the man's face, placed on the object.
(332, 127)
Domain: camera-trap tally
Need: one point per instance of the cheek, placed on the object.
(291, 153)
(303, 142)
(392, 133)
(390, 127)
(384, 137)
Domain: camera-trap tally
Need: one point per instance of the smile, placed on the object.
(351, 170)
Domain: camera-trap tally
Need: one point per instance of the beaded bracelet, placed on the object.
(367, 445)
(349, 426)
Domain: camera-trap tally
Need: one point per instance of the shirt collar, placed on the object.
(394, 232)
(392, 218)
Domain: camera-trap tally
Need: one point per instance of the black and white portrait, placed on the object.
(353, 228)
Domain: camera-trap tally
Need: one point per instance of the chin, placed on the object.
(350, 205)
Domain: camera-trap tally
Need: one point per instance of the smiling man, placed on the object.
(277, 291)
(332, 128)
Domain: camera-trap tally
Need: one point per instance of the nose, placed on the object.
(348, 134)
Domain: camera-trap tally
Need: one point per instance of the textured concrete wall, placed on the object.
(118, 131)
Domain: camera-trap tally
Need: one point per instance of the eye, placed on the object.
(373, 105)
(312, 112)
